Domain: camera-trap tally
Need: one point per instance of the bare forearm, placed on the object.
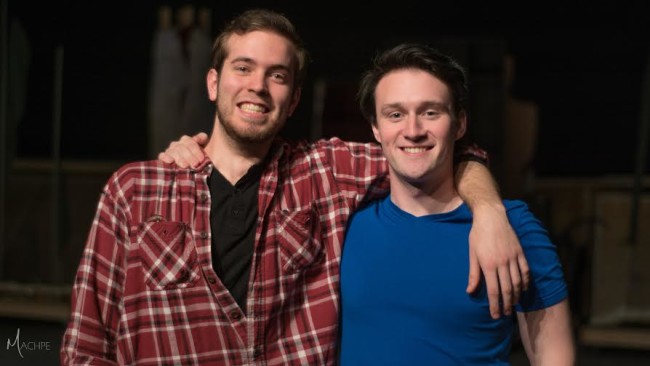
(547, 336)
(477, 187)
(494, 247)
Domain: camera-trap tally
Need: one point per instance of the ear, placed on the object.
(375, 132)
(462, 125)
(212, 83)
(294, 101)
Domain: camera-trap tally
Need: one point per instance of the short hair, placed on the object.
(262, 20)
(413, 56)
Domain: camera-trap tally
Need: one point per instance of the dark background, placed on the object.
(583, 65)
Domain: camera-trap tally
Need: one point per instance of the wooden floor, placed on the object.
(51, 332)
(42, 312)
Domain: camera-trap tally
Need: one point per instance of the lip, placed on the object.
(415, 150)
(251, 112)
(253, 108)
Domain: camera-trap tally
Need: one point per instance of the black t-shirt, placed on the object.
(233, 215)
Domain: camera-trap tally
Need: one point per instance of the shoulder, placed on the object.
(529, 228)
(516, 208)
(354, 148)
(146, 168)
(151, 173)
(521, 217)
(368, 211)
(324, 151)
(330, 144)
(367, 207)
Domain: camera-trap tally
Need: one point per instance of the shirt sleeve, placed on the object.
(358, 169)
(548, 286)
(90, 337)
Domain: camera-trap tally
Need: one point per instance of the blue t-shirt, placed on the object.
(403, 281)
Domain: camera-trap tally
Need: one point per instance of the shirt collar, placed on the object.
(278, 149)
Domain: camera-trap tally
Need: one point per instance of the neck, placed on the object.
(233, 159)
(431, 197)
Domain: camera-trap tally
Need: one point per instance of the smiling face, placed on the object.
(415, 126)
(255, 91)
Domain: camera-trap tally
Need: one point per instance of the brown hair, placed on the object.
(413, 56)
(262, 20)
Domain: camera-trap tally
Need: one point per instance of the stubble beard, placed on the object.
(250, 136)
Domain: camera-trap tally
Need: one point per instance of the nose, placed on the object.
(258, 83)
(413, 129)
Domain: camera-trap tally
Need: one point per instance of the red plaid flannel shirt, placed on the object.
(146, 293)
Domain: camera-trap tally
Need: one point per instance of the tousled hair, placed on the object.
(262, 20)
(413, 56)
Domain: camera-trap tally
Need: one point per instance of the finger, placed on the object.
(524, 271)
(172, 155)
(474, 273)
(492, 284)
(505, 284)
(165, 158)
(192, 151)
(201, 138)
(197, 157)
(178, 156)
(515, 278)
(181, 163)
(182, 153)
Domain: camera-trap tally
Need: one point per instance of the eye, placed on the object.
(242, 69)
(394, 115)
(431, 113)
(279, 77)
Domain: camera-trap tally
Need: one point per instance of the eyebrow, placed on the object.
(425, 104)
(437, 105)
(242, 59)
(249, 60)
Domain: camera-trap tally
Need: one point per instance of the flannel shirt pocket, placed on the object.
(168, 255)
(299, 237)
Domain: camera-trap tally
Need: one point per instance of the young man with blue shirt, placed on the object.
(401, 291)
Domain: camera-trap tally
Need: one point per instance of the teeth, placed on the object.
(250, 107)
(414, 150)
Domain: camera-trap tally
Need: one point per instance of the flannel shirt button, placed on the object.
(203, 235)
(212, 280)
(235, 315)
(203, 197)
(257, 352)
(184, 274)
